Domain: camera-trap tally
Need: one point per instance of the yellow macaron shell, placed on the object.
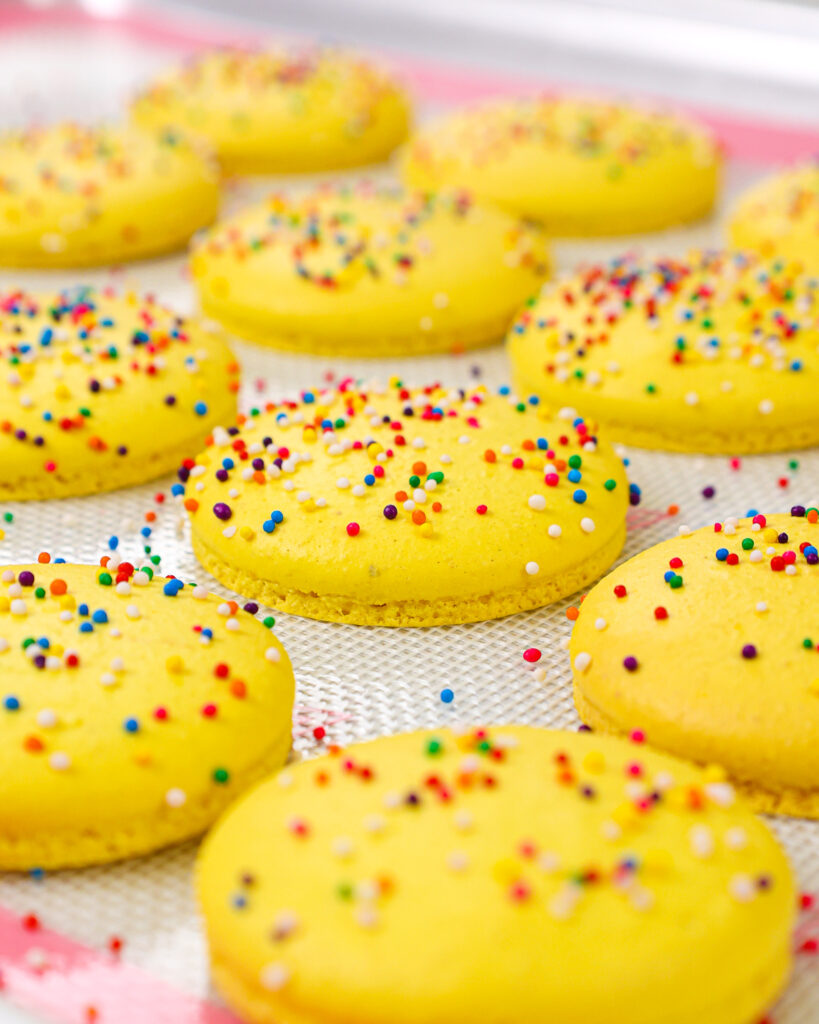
(125, 725)
(99, 391)
(779, 217)
(716, 353)
(347, 508)
(511, 874)
(730, 675)
(578, 166)
(75, 196)
(281, 111)
(370, 272)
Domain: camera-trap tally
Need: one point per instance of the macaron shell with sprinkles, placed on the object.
(779, 217)
(99, 391)
(282, 111)
(74, 196)
(708, 644)
(133, 710)
(580, 879)
(397, 507)
(579, 166)
(368, 271)
(715, 353)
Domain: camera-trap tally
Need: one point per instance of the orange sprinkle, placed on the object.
(419, 517)
(813, 516)
(400, 495)
(528, 446)
(238, 688)
(672, 510)
(490, 456)
(33, 744)
(419, 468)
(191, 504)
(436, 506)
(44, 558)
(572, 613)
(58, 587)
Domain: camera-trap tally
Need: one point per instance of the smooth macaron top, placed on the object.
(717, 352)
(708, 643)
(779, 217)
(72, 195)
(579, 166)
(368, 270)
(283, 110)
(96, 388)
(382, 495)
(133, 709)
(503, 874)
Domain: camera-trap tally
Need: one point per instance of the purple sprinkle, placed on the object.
(251, 607)
(798, 511)
(258, 463)
(222, 511)
(749, 651)
(584, 728)
(709, 492)
(812, 559)
(26, 578)
(222, 474)
(630, 663)
(390, 511)
(782, 538)
(170, 399)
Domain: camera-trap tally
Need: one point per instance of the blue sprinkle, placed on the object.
(131, 725)
(722, 554)
(504, 390)
(369, 479)
(579, 496)
(113, 543)
(268, 526)
(200, 408)
(542, 444)
(177, 489)
(83, 609)
(100, 616)
(574, 476)
(172, 588)
(277, 516)
(11, 703)
(668, 576)
(447, 695)
(86, 627)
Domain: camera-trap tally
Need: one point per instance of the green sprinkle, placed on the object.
(415, 481)
(105, 579)
(575, 461)
(221, 775)
(40, 593)
(675, 582)
(610, 485)
(747, 544)
(434, 746)
(807, 643)
(270, 622)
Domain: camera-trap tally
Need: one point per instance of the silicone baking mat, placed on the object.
(122, 943)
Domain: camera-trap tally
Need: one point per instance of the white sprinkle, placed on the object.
(457, 861)
(701, 839)
(200, 593)
(141, 578)
(18, 606)
(555, 530)
(273, 654)
(108, 679)
(736, 838)
(582, 661)
(175, 797)
(532, 568)
(46, 718)
(274, 976)
(587, 525)
(229, 531)
(374, 823)
(123, 588)
(742, 888)
(720, 793)
(537, 502)
(463, 821)
(232, 625)
(133, 612)
(59, 761)
(761, 606)
(600, 623)
(692, 398)
(342, 846)
(766, 406)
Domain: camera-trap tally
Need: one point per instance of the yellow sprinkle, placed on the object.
(658, 862)
(175, 664)
(594, 762)
(247, 533)
(5, 604)
(374, 449)
(813, 689)
(506, 871)
(625, 814)
(62, 391)
(308, 435)
(714, 773)
(770, 535)
(68, 602)
(425, 529)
